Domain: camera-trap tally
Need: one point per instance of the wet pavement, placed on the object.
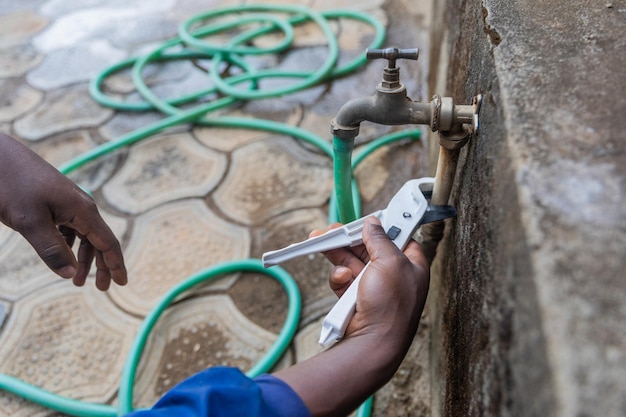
(183, 200)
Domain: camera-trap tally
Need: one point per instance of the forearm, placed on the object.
(336, 381)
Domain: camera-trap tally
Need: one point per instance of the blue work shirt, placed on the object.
(227, 392)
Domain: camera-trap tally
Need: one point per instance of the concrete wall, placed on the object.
(529, 288)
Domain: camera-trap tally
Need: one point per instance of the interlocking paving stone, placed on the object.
(384, 171)
(83, 25)
(16, 99)
(63, 147)
(190, 80)
(60, 8)
(356, 36)
(186, 8)
(63, 109)
(17, 28)
(164, 169)
(229, 139)
(5, 235)
(73, 64)
(302, 59)
(4, 311)
(261, 299)
(68, 340)
(281, 109)
(305, 34)
(194, 335)
(317, 123)
(310, 272)
(306, 342)
(17, 60)
(173, 71)
(285, 177)
(132, 32)
(170, 243)
(369, 5)
(21, 270)
(12, 6)
(125, 122)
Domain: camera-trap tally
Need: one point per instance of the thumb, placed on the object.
(376, 241)
(52, 249)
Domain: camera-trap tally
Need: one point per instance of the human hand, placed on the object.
(390, 301)
(51, 211)
(393, 288)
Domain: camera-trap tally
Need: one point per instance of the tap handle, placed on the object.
(392, 54)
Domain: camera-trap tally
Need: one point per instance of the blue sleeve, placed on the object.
(227, 392)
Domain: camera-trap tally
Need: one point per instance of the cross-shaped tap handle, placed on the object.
(392, 54)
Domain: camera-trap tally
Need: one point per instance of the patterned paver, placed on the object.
(21, 270)
(254, 189)
(171, 242)
(194, 335)
(17, 60)
(68, 340)
(179, 202)
(164, 169)
(63, 109)
(16, 99)
(17, 28)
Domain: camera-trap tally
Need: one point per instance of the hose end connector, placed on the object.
(343, 132)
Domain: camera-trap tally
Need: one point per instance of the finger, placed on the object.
(68, 234)
(51, 247)
(377, 243)
(347, 258)
(86, 253)
(103, 276)
(340, 279)
(93, 227)
(318, 232)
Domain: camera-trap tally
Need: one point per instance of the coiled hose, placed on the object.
(192, 44)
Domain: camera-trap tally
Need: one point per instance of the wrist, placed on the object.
(385, 344)
(337, 380)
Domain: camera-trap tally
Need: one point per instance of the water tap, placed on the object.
(390, 105)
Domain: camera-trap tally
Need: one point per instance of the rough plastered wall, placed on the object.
(528, 296)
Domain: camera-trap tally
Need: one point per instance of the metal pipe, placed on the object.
(432, 233)
(451, 143)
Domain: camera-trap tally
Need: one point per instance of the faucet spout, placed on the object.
(386, 108)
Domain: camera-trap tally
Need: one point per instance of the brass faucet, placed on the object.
(390, 105)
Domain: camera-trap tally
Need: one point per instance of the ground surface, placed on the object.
(183, 200)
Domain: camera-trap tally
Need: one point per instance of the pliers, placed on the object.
(407, 210)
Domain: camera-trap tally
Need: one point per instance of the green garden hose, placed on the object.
(191, 44)
(343, 179)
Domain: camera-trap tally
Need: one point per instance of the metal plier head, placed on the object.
(407, 210)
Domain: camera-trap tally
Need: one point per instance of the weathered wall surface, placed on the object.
(529, 291)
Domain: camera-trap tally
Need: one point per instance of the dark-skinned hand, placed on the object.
(390, 301)
(51, 211)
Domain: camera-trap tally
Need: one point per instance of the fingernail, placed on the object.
(67, 271)
(342, 270)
